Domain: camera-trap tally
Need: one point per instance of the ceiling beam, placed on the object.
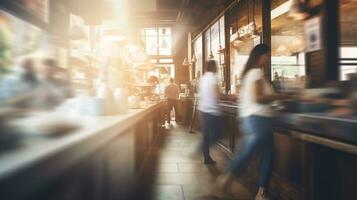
(181, 13)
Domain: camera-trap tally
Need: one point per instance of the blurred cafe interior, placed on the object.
(107, 99)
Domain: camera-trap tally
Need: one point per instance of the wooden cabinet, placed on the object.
(185, 109)
(306, 166)
(109, 172)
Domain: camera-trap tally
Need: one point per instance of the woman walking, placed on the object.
(256, 117)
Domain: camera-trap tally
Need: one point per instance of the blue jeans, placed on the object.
(211, 129)
(258, 141)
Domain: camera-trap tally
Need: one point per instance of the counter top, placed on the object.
(94, 131)
(321, 128)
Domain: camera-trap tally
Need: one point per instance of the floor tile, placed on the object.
(180, 173)
(168, 192)
(193, 167)
(177, 179)
(167, 167)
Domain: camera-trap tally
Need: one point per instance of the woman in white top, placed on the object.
(255, 113)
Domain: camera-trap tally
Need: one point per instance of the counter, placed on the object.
(315, 155)
(106, 152)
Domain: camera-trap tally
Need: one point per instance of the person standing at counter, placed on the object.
(172, 92)
(209, 109)
(256, 117)
(55, 84)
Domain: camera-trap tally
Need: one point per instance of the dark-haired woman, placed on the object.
(256, 117)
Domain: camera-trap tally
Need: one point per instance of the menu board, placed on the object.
(39, 8)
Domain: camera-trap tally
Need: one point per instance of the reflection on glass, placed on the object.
(239, 56)
(287, 43)
(245, 20)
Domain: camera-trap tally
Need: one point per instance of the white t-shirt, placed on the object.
(208, 99)
(248, 105)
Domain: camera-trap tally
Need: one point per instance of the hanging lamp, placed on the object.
(220, 48)
(299, 10)
(185, 62)
(163, 44)
(210, 55)
(254, 32)
(194, 59)
(237, 41)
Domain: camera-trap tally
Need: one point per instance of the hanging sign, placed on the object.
(246, 30)
(256, 41)
(313, 34)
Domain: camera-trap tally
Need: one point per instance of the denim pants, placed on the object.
(211, 130)
(258, 140)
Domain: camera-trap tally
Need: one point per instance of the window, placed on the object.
(348, 61)
(157, 41)
(348, 41)
(168, 60)
(287, 43)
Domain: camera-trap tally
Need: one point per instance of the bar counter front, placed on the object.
(100, 160)
(315, 155)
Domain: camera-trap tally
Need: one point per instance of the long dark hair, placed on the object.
(211, 66)
(254, 57)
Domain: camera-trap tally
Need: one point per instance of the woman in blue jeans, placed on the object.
(256, 117)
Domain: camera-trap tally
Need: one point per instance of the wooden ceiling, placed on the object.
(193, 14)
(196, 14)
(240, 16)
(348, 19)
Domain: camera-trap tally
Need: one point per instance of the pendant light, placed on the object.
(299, 10)
(185, 62)
(210, 55)
(237, 41)
(220, 48)
(254, 32)
(194, 59)
(163, 32)
(163, 44)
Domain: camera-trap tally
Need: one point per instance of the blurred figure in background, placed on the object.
(17, 87)
(172, 92)
(276, 82)
(210, 112)
(55, 84)
(257, 124)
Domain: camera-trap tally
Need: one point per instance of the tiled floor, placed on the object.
(180, 173)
